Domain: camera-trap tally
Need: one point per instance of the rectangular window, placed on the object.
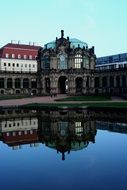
(33, 66)
(77, 65)
(7, 55)
(78, 61)
(25, 56)
(9, 64)
(30, 56)
(13, 55)
(4, 64)
(19, 56)
(13, 64)
(17, 65)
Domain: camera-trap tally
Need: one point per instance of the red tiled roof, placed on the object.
(21, 49)
(22, 46)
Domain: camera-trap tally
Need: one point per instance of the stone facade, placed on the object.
(63, 66)
(18, 83)
(113, 82)
(66, 66)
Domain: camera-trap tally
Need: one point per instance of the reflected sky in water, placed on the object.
(100, 165)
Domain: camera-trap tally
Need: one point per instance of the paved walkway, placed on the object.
(23, 101)
(46, 99)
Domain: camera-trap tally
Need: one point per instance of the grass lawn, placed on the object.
(104, 105)
(86, 98)
(8, 97)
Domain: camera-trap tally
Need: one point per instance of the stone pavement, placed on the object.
(46, 99)
(23, 101)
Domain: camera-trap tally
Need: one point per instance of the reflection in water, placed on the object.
(54, 129)
(60, 130)
(102, 165)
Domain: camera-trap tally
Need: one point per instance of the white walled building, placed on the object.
(18, 58)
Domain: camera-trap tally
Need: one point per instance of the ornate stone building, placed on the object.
(66, 66)
(111, 75)
(18, 69)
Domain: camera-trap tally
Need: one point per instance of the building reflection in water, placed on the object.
(63, 131)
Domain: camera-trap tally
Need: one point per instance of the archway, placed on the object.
(62, 85)
(79, 84)
(47, 85)
(33, 92)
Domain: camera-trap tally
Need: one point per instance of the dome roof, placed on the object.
(74, 43)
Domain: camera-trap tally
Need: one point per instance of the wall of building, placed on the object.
(18, 65)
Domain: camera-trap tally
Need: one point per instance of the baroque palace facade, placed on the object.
(62, 66)
(65, 65)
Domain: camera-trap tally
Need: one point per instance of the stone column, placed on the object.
(30, 83)
(120, 81)
(71, 85)
(53, 84)
(91, 78)
(5, 83)
(21, 82)
(115, 81)
(100, 85)
(84, 85)
(13, 83)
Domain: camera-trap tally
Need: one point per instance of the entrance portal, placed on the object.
(79, 83)
(62, 85)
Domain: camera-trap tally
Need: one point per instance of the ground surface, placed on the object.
(47, 99)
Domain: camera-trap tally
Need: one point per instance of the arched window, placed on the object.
(62, 62)
(17, 83)
(1, 82)
(9, 83)
(25, 83)
(78, 61)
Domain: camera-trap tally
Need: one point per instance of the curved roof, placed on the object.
(74, 43)
(74, 147)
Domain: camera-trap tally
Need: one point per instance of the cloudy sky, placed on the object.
(100, 23)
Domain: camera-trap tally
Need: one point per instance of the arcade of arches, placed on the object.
(67, 84)
(114, 82)
(18, 84)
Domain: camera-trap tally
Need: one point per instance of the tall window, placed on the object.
(30, 56)
(9, 83)
(17, 83)
(25, 56)
(62, 62)
(7, 55)
(46, 62)
(13, 55)
(78, 61)
(1, 82)
(86, 62)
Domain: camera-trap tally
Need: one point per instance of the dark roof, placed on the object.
(22, 46)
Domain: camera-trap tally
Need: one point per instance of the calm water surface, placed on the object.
(62, 151)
